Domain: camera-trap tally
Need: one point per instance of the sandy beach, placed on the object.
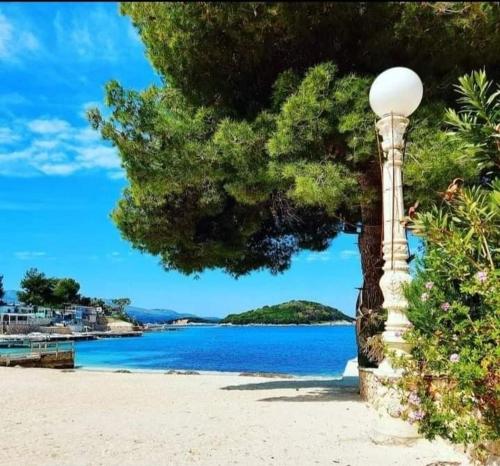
(51, 417)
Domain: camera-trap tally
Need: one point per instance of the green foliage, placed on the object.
(121, 304)
(230, 54)
(455, 309)
(209, 191)
(321, 184)
(292, 312)
(477, 124)
(37, 289)
(433, 158)
(451, 383)
(253, 152)
(195, 176)
(286, 84)
(65, 291)
(305, 118)
(40, 290)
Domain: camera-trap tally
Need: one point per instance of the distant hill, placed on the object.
(292, 312)
(164, 316)
(10, 297)
(153, 316)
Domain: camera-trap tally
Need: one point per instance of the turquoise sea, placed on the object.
(298, 350)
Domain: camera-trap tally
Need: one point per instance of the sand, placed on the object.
(51, 417)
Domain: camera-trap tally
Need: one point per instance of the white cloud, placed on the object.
(29, 255)
(8, 136)
(58, 168)
(318, 256)
(43, 144)
(347, 254)
(115, 257)
(6, 30)
(99, 35)
(98, 157)
(48, 126)
(51, 146)
(120, 175)
(133, 34)
(15, 40)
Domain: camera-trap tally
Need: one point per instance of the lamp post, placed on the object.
(394, 96)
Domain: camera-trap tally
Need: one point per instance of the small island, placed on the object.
(289, 313)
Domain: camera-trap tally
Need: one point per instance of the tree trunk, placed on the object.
(370, 298)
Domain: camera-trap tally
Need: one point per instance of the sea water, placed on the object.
(298, 350)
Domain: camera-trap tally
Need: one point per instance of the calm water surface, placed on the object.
(298, 350)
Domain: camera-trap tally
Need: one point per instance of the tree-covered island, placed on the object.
(291, 312)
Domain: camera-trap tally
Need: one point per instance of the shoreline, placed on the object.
(314, 324)
(173, 371)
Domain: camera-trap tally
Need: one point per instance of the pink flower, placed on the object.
(445, 306)
(424, 297)
(481, 276)
(414, 398)
(429, 285)
(416, 416)
(454, 358)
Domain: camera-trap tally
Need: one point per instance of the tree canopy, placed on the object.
(65, 291)
(230, 54)
(37, 289)
(210, 192)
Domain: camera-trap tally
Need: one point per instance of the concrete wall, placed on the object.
(61, 360)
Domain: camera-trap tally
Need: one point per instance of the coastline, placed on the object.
(89, 417)
(314, 324)
(195, 372)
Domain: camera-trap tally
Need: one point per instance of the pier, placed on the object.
(55, 355)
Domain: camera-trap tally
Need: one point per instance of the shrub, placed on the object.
(451, 383)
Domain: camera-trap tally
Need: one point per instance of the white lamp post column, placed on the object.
(395, 248)
(395, 94)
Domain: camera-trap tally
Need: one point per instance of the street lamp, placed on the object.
(394, 95)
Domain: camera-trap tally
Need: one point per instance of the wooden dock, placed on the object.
(54, 355)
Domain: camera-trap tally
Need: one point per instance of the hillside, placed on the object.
(292, 312)
(164, 316)
(10, 296)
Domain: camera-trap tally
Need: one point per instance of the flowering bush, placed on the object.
(452, 381)
(451, 384)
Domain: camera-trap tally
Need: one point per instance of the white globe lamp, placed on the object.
(396, 91)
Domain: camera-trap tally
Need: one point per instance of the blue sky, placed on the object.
(59, 181)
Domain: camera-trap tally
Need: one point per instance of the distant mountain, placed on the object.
(292, 312)
(10, 297)
(164, 316)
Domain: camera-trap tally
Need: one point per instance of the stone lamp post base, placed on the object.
(390, 428)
